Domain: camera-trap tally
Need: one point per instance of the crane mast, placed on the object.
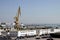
(17, 26)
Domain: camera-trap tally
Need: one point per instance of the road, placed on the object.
(38, 39)
(32, 38)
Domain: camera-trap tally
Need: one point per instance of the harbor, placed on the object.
(35, 34)
(29, 20)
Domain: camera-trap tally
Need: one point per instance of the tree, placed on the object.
(1, 27)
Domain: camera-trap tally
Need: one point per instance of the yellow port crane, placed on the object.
(17, 26)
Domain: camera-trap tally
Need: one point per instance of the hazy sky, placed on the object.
(32, 11)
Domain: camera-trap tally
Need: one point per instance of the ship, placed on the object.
(55, 35)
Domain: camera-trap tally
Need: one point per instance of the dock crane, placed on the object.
(17, 26)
